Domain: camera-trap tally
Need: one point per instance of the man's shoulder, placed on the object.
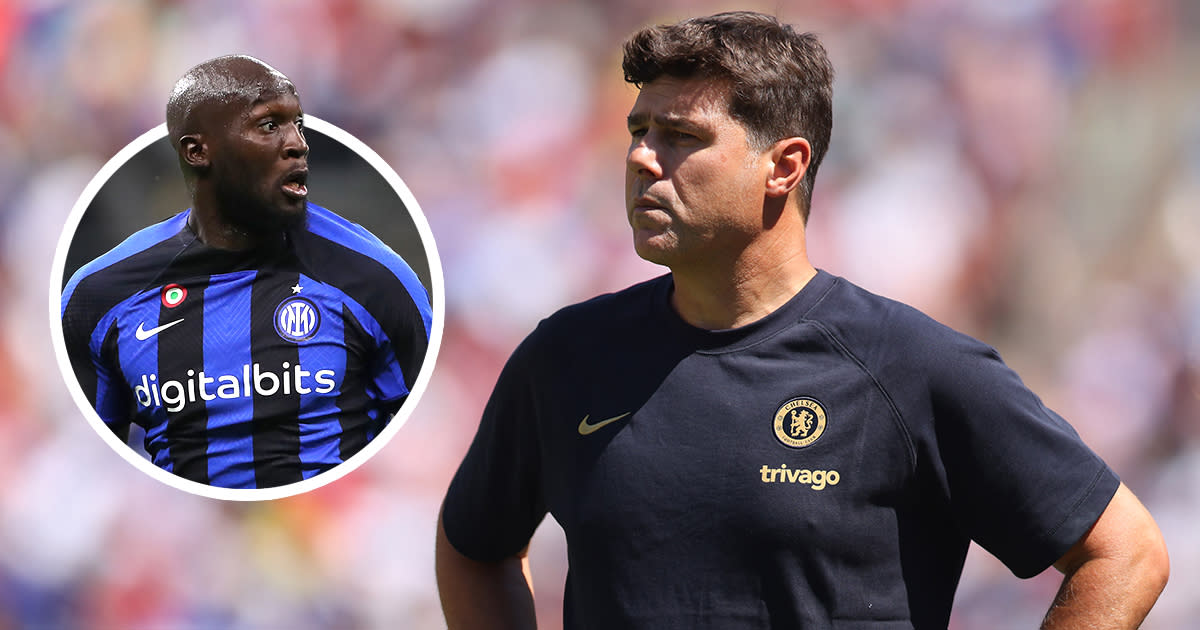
(848, 304)
(597, 323)
(608, 310)
(347, 256)
(340, 239)
(128, 261)
(332, 226)
(874, 327)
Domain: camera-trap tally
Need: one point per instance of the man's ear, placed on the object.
(790, 158)
(193, 150)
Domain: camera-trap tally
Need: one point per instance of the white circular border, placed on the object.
(257, 494)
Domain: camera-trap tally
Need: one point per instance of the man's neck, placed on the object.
(212, 230)
(222, 235)
(723, 296)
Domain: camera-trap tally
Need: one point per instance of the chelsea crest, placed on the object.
(799, 422)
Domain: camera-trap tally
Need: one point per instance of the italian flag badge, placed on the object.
(173, 295)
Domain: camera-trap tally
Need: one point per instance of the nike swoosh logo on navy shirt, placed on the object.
(585, 428)
(143, 335)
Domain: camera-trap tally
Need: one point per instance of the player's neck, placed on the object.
(756, 283)
(207, 223)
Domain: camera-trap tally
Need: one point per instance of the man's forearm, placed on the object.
(1102, 594)
(1114, 574)
(480, 595)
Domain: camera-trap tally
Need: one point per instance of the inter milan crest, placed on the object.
(173, 295)
(297, 319)
(799, 422)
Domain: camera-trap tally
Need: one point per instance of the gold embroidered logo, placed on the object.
(799, 422)
(586, 429)
(816, 479)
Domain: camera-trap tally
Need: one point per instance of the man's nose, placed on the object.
(643, 160)
(294, 144)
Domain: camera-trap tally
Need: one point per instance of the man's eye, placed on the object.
(637, 132)
(269, 125)
(300, 124)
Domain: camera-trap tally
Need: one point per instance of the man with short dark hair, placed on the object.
(257, 338)
(748, 442)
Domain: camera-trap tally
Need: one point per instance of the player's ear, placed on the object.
(790, 158)
(194, 150)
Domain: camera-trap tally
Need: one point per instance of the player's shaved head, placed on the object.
(237, 126)
(208, 89)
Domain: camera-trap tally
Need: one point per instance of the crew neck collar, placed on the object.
(730, 339)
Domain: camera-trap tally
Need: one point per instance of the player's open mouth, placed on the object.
(295, 184)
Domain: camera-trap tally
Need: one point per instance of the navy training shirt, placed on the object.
(248, 369)
(823, 467)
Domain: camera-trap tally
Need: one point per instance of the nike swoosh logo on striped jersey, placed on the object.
(143, 335)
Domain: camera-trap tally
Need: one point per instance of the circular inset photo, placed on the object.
(246, 302)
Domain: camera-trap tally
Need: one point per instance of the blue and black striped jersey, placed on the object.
(248, 369)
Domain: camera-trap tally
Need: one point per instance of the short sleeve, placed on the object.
(1021, 482)
(408, 335)
(100, 379)
(400, 352)
(495, 501)
(401, 337)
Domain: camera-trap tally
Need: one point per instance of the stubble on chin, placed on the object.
(250, 215)
(655, 246)
(271, 220)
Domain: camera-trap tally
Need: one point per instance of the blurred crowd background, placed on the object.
(1025, 171)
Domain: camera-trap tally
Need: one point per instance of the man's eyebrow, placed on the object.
(639, 119)
(268, 107)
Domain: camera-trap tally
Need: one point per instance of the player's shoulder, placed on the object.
(582, 327)
(144, 251)
(334, 227)
(628, 304)
(881, 329)
(600, 317)
(345, 255)
(335, 233)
